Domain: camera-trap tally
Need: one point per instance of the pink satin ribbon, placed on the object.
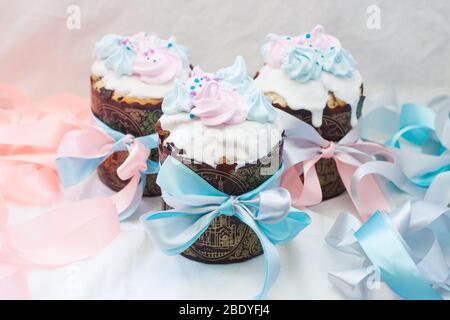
(55, 238)
(348, 155)
(30, 134)
(91, 142)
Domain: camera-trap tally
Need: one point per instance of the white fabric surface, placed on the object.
(42, 56)
(133, 268)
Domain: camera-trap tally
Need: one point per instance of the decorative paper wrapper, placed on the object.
(227, 240)
(129, 118)
(336, 123)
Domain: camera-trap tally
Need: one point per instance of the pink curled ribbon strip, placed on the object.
(30, 134)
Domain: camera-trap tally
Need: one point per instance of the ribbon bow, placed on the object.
(417, 132)
(410, 247)
(304, 147)
(266, 210)
(83, 150)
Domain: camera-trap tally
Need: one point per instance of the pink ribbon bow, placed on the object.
(304, 147)
(83, 150)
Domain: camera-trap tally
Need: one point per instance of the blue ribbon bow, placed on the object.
(410, 247)
(73, 170)
(266, 210)
(420, 134)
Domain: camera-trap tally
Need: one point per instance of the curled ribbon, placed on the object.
(84, 149)
(54, 238)
(30, 134)
(410, 247)
(304, 147)
(266, 210)
(417, 132)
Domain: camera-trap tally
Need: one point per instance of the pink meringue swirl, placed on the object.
(318, 38)
(155, 64)
(276, 49)
(215, 105)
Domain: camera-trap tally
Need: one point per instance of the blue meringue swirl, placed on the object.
(117, 55)
(236, 75)
(302, 64)
(177, 100)
(339, 62)
(179, 49)
(260, 107)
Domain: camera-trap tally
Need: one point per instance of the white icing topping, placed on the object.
(131, 85)
(241, 143)
(311, 95)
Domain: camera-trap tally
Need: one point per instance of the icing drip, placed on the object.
(317, 115)
(303, 70)
(311, 95)
(131, 85)
(241, 143)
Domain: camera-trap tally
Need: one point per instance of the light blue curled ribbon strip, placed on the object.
(410, 247)
(266, 210)
(73, 170)
(420, 135)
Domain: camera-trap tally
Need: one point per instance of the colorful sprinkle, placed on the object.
(170, 45)
(192, 87)
(197, 80)
(308, 36)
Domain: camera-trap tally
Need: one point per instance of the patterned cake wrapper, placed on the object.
(227, 240)
(129, 118)
(336, 123)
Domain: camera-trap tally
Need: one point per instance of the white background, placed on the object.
(410, 51)
(39, 54)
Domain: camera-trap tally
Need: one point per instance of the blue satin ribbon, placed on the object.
(410, 247)
(423, 128)
(266, 210)
(73, 170)
(384, 248)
